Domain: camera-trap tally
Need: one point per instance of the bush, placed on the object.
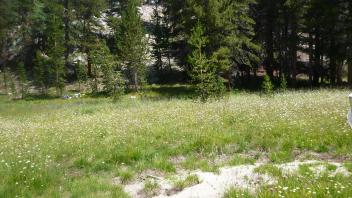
(267, 85)
(283, 83)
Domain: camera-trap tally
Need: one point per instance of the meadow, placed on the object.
(76, 148)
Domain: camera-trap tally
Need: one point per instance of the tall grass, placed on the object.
(75, 147)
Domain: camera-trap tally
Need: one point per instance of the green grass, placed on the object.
(269, 169)
(304, 184)
(151, 188)
(235, 193)
(125, 175)
(302, 187)
(348, 166)
(189, 181)
(240, 160)
(47, 146)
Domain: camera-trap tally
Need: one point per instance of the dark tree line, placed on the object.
(213, 44)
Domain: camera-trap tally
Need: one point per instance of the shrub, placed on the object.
(267, 85)
(283, 83)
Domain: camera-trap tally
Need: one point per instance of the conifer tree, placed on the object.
(348, 30)
(267, 85)
(55, 45)
(81, 74)
(203, 71)
(131, 44)
(161, 31)
(41, 72)
(228, 26)
(105, 68)
(158, 37)
(85, 13)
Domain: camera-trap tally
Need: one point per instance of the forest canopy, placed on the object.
(216, 45)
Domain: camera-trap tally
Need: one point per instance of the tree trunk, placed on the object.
(269, 46)
(67, 31)
(5, 79)
(349, 61)
(293, 54)
(169, 60)
(136, 85)
(332, 71)
(317, 66)
(339, 72)
(311, 60)
(86, 48)
(229, 84)
(89, 65)
(270, 55)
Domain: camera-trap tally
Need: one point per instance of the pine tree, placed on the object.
(267, 85)
(105, 68)
(48, 36)
(166, 32)
(283, 83)
(227, 24)
(131, 44)
(55, 45)
(158, 37)
(9, 19)
(41, 72)
(38, 20)
(203, 72)
(348, 31)
(161, 31)
(85, 13)
(294, 11)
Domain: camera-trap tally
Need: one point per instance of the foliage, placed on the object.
(151, 188)
(285, 36)
(227, 25)
(267, 85)
(204, 72)
(161, 31)
(131, 44)
(283, 83)
(105, 70)
(41, 72)
(189, 181)
(54, 46)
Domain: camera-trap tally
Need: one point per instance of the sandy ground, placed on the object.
(213, 185)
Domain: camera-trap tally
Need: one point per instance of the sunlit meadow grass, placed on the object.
(73, 148)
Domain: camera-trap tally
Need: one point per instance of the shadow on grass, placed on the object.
(32, 97)
(168, 92)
